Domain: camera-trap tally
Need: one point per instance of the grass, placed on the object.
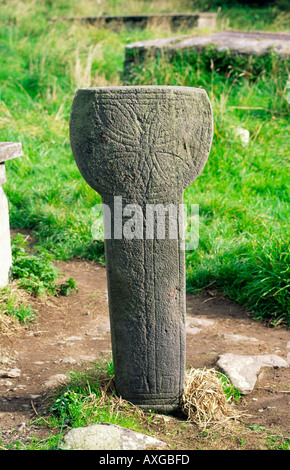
(242, 193)
(89, 398)
(14, 309)
(209, 420)
(35, 271)
(33, 274)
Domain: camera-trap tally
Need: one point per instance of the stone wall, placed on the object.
(174, 21)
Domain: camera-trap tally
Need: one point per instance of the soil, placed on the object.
(72, 332)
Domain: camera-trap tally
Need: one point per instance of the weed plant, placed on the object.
(14, 307)
(35, 272)
(89, 398)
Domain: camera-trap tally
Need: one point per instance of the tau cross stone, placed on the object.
(139, 147)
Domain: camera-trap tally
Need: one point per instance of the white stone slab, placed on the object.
(106, 436)
(237, 338)
(249, 43)
(5, 245)
(243, 370)
(10, 150)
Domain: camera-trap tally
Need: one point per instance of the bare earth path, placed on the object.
(73, 331)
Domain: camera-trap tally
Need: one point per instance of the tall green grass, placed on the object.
(243, 193)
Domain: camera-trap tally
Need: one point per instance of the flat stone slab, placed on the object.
(206, 20)
(203, 322)
(237, 338)
(56, 380)
(2, 173)
(10, 150)
(195, 325)
(249, 43)
(242, 370)
(106, 436)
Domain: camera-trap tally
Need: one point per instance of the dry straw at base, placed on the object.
(204, 401)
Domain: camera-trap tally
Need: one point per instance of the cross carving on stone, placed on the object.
(142, 146)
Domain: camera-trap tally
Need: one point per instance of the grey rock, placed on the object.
(107, 436)
(11, 374)
(10, 150)
(229, 42)
(192, 330)
(203, 322)
(243, 370)
(6, 359)
(237, 338)
(56, 380)
(68, 360)
(143, 146)
(251, 43)
(173, 20)
(193, 325)
(73, 338)
(242, 134)
(6, 383)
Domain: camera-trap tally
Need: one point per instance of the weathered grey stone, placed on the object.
(107, 436)
(56, 380)
(175, 21)
(204, 322)
(230, 42)
(243, 370)
(6, 383)
(193, 325)
(144, 146)
(10, 150)
(242, 134)
(10, 374)
(237, 338)
(255, 43)
(192, 330)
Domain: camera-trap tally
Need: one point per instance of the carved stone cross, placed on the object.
(140, 147)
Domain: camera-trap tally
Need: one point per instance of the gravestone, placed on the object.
(8, 151)
(228, 44)
(140, 147)
(174, 21)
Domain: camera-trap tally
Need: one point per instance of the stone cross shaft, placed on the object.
(140, 147)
